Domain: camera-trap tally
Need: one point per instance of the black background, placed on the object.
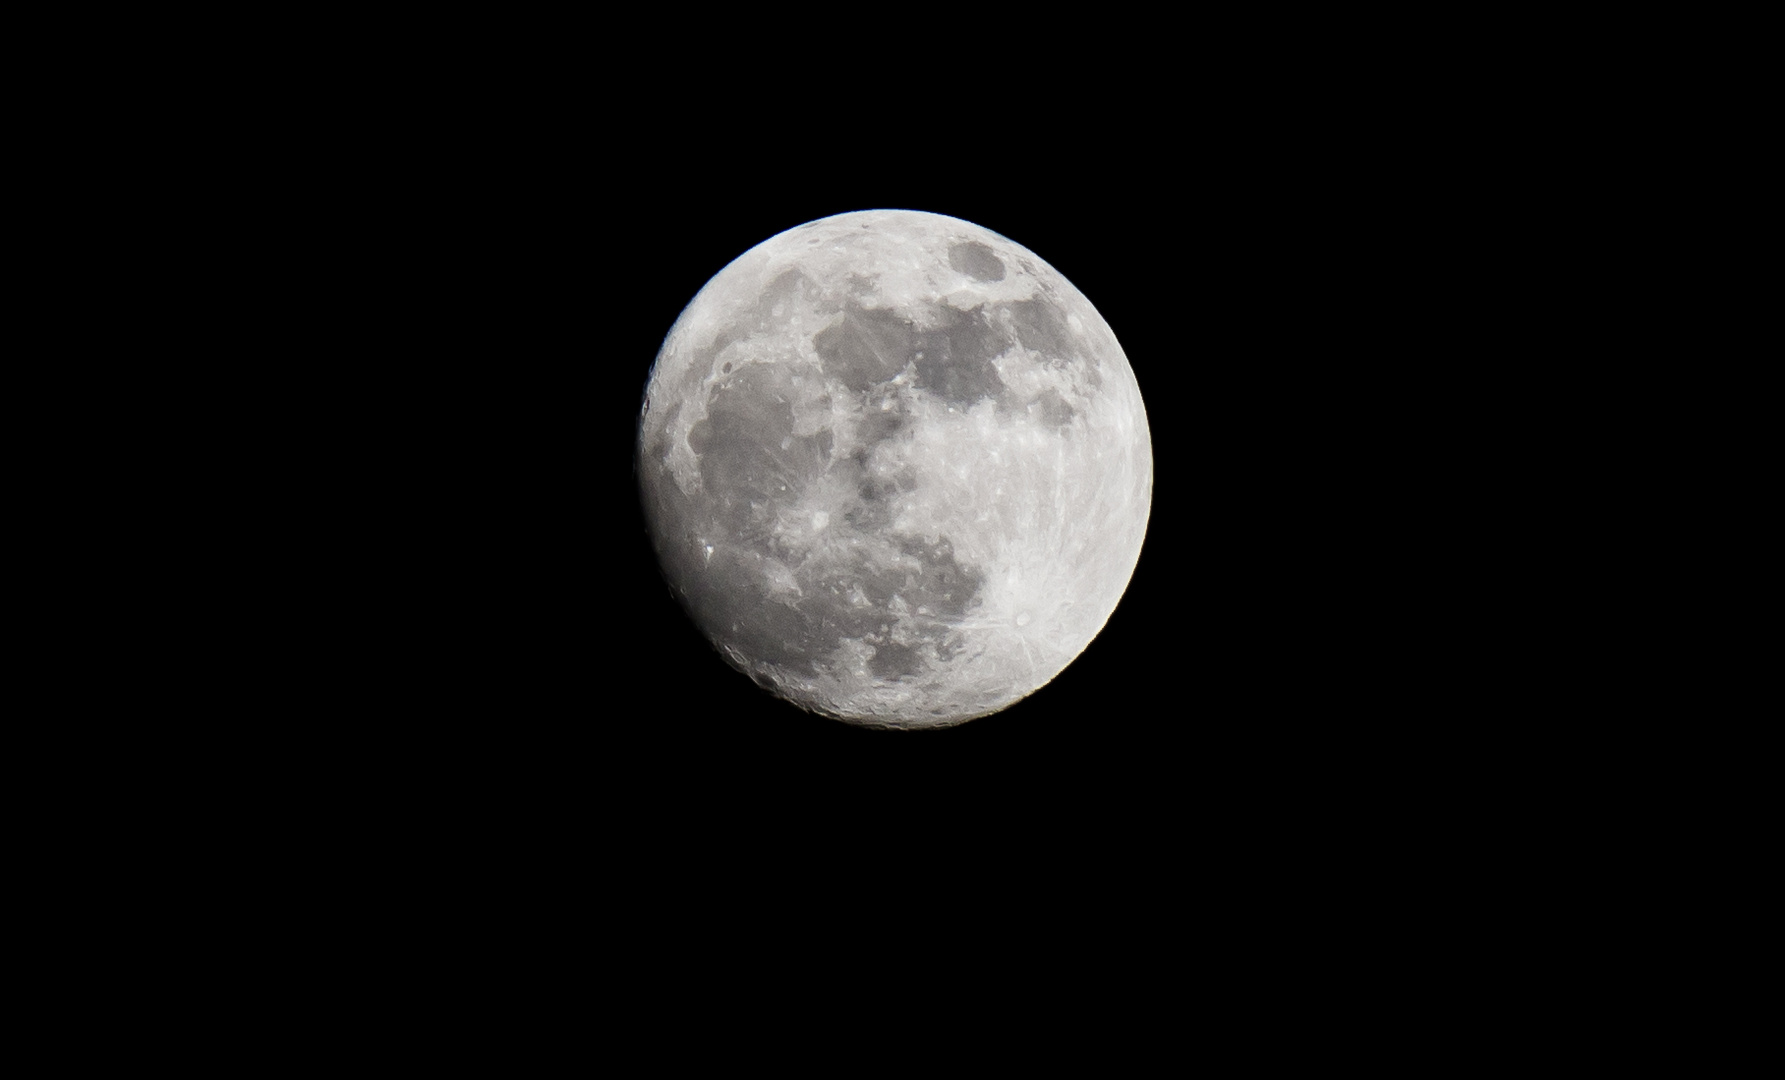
(1219, 664)
(483, 691)
(1285, 647)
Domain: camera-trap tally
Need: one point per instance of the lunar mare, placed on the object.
(896, 467)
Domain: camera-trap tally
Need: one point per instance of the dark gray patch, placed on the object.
(870, 514)
(878, 425)
(954, 360)
(747, 474)
(1053, 409)
(891, 660)
(880, 584)
(726, 369)
(1041, 326)
(700, 436)
(872, 509)
(730, 598)
(876, 489)
(940, 586)
(976, 261)
(866, 346)
(779, 291)
(745, 468)
(944, 587)
(725, 591)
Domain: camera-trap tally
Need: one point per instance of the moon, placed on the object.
(895, 467)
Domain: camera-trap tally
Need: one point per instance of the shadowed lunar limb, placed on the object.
(895, 467)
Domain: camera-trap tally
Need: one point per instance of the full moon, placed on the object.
(895, 467)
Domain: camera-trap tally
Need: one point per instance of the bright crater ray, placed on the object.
(895, 467)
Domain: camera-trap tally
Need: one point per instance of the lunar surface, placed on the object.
(895, 467)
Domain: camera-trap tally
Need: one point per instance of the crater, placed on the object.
(976, 260)
(704, 357)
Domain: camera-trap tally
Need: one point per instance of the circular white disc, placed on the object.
(896, 467)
